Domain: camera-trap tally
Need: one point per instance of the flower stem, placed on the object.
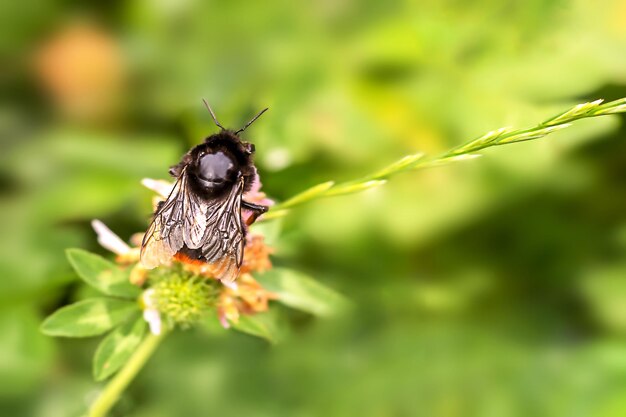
(116, 386)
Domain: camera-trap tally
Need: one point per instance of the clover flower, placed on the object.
(182, 293)
(248, 297)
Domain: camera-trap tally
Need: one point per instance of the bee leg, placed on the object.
(256, 209)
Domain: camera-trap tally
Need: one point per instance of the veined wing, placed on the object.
(224, 237)
(180, 219)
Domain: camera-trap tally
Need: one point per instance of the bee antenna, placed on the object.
(252, 121)
(212, 114)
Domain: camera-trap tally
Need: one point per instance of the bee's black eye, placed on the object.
(215, 167)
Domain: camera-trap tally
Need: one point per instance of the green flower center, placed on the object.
(184, 299)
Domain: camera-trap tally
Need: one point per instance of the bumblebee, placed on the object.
(201, 218)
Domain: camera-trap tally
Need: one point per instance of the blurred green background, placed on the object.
(487, 288)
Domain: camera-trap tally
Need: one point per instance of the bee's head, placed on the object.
(219, 158)
(216, 168)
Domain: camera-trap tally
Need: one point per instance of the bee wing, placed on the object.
(180, 219)
(224, 238)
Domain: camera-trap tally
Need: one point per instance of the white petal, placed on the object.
(108, 239)
(154, 320)
(230, 284)
(224, 322)
(161, 187)
(147, 298)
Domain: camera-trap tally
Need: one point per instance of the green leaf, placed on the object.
(301, 292)
(101, 274)
(261, 325)
(211, 323)
(117, 348)
(89, 317)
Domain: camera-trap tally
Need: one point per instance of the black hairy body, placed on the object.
(230, 147)
(201, 218)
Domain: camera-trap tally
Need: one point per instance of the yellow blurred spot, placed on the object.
(81, 69)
